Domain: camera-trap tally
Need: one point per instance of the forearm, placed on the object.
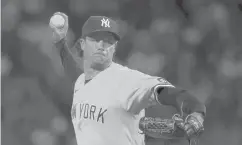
(68, 61)
(182, 100)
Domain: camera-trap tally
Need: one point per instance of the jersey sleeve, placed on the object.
(68, 60)
(145, 95)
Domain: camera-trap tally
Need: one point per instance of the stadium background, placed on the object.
(196, 45)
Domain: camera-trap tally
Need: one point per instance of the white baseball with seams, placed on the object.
(57, 21)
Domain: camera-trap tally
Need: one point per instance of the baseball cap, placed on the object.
(100, 23)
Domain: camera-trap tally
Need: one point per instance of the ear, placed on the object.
(114, 48)
(82, 43)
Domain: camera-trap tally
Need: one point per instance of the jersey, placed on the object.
(107, 109)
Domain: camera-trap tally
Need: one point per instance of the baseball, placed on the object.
(57, 21)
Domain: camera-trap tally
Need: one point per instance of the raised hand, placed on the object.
(59, 25)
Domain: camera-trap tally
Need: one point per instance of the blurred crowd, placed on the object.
(195, 44)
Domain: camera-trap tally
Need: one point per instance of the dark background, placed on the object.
(195, 44)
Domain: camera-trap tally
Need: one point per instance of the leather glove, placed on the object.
(162, 127)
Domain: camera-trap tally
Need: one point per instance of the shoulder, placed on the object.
(126, 71)
(80, 80)
(139, 76)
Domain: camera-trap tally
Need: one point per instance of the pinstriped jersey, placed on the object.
(107, 110)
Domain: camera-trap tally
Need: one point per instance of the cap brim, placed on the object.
(117, 37)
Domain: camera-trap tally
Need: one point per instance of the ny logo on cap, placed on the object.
(105, 23)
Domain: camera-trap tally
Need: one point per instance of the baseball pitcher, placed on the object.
(109, 99)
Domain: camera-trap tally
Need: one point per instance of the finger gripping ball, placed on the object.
(57, 21)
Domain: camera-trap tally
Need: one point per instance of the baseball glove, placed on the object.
(162, 128)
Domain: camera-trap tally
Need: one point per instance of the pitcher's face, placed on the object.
(99, 48)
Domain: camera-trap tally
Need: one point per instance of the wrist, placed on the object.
(61, 40)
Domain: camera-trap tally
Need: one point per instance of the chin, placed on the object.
(99, 61)
(99, 65)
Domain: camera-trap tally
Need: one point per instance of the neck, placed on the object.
(90, 71)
